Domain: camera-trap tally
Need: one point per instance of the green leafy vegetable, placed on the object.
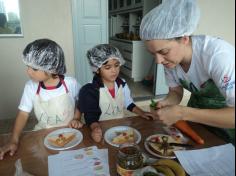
(153, 104)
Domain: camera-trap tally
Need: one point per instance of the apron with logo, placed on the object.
(209, 97)
(111, 108)
(58, 111)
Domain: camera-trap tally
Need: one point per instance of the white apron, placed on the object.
(112, 108)
(58, 111)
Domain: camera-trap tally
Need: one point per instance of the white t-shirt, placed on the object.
(30, 90)
(212, 58)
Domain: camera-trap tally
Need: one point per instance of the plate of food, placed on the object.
(163, 146)
(63, 139)
(119, 135)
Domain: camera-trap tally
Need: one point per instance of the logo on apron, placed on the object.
(112, 108)
(58, 111)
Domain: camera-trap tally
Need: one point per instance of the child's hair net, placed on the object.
(100, 54)
(171, 19)
(45, 55)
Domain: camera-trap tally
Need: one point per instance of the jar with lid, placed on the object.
(129, 159)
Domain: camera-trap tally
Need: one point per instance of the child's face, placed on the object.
(110, 71)
(37, 75)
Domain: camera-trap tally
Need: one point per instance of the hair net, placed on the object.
(100, 54)
(45, 55)
(171, 19)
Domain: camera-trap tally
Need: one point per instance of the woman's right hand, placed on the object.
(162, 104)
(10, 147)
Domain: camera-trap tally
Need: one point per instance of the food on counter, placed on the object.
(124, 137)
(159, 144)
(171, 167)
(186, 129)
(158, 149)
(165, 170)
(61, 139)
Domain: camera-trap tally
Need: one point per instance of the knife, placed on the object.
(174, 144)
(180, 145)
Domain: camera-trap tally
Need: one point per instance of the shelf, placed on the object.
(124, 40)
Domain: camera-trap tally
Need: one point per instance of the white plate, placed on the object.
(112, 132)
(78, 138)
(170, 139)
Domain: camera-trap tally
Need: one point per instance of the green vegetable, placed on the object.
(153, 104)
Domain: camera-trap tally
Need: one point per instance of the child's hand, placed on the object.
(75, 123)
(148, 115)
(11, 148)
(97, 134)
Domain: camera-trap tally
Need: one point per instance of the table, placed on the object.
(34, 155)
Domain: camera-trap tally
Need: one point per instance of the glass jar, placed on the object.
(129, 159)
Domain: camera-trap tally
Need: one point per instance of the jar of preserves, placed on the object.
(129, 159)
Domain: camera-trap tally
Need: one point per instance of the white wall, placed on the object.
(217, 19)
(41, 19)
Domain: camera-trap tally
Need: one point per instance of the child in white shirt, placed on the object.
(51, 94)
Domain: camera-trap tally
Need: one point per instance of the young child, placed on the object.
(51, 94)
(107, 95)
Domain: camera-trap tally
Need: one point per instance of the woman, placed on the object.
(203, 65)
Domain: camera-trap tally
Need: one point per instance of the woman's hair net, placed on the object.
(45, 55)
(100, 54)
(171, 19)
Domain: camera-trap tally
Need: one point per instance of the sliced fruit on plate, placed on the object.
(157, 148)
(61, 140)
(124, 137)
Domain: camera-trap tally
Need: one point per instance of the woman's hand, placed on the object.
(170, 114)
(75, 123)
(162, 104)
(11, 148)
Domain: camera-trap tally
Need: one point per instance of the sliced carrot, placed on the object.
(186, 129)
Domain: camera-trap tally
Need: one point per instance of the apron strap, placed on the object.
(62, 81)
(38, 89)
(64, 84)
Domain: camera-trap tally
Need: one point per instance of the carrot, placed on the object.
(186, 129)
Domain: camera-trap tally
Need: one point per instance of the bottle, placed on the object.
(129, 159)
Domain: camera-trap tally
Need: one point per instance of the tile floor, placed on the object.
(7, 125)
(137, 89)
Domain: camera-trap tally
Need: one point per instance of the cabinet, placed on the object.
(125, 17)
(124, 21)
(136, 58)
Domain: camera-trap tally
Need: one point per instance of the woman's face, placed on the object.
(37, 75)
(167, 52)
(110, 70)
